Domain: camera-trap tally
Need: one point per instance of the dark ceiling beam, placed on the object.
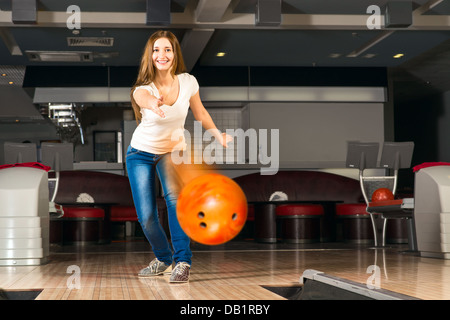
(10, 42)
(268, 13)
(193, 43)
(211, 10)
(158, 13)
(24, 11)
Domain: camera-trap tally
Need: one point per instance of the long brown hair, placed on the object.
(147, 70)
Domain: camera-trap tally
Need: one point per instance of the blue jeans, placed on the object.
(142, 168)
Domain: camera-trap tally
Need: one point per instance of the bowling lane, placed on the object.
(236, 270)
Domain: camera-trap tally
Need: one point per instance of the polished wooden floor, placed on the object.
(235, 271)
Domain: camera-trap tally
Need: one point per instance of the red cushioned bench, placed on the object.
(79, 225)
(103, 188)
(305, 186)
(356, 223)
(121, 215)
(300, 223)
(127, 214)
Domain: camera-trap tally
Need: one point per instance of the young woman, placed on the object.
(161, 98)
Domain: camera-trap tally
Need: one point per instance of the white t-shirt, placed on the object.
(162, 135)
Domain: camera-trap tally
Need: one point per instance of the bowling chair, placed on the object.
(395, 155)
(368, 185)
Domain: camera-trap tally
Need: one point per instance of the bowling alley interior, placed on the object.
(339, 113)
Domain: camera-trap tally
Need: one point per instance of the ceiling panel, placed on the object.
(12, 75)
(304, 42)
(315, 47)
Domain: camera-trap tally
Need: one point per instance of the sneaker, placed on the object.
(155, 268)
(180, 273)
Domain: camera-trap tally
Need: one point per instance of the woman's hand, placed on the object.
(145, 100)
(154, 104)
(224, 138)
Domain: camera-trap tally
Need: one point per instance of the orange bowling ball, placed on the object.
(382, 194)
(212, 209)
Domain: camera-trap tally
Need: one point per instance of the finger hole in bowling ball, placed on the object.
(201, 215)
(202, 225)
(234, 216)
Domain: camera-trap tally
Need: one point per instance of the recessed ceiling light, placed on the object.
(3, 74)
(398, 55)
(11, 82)
(220, 54)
